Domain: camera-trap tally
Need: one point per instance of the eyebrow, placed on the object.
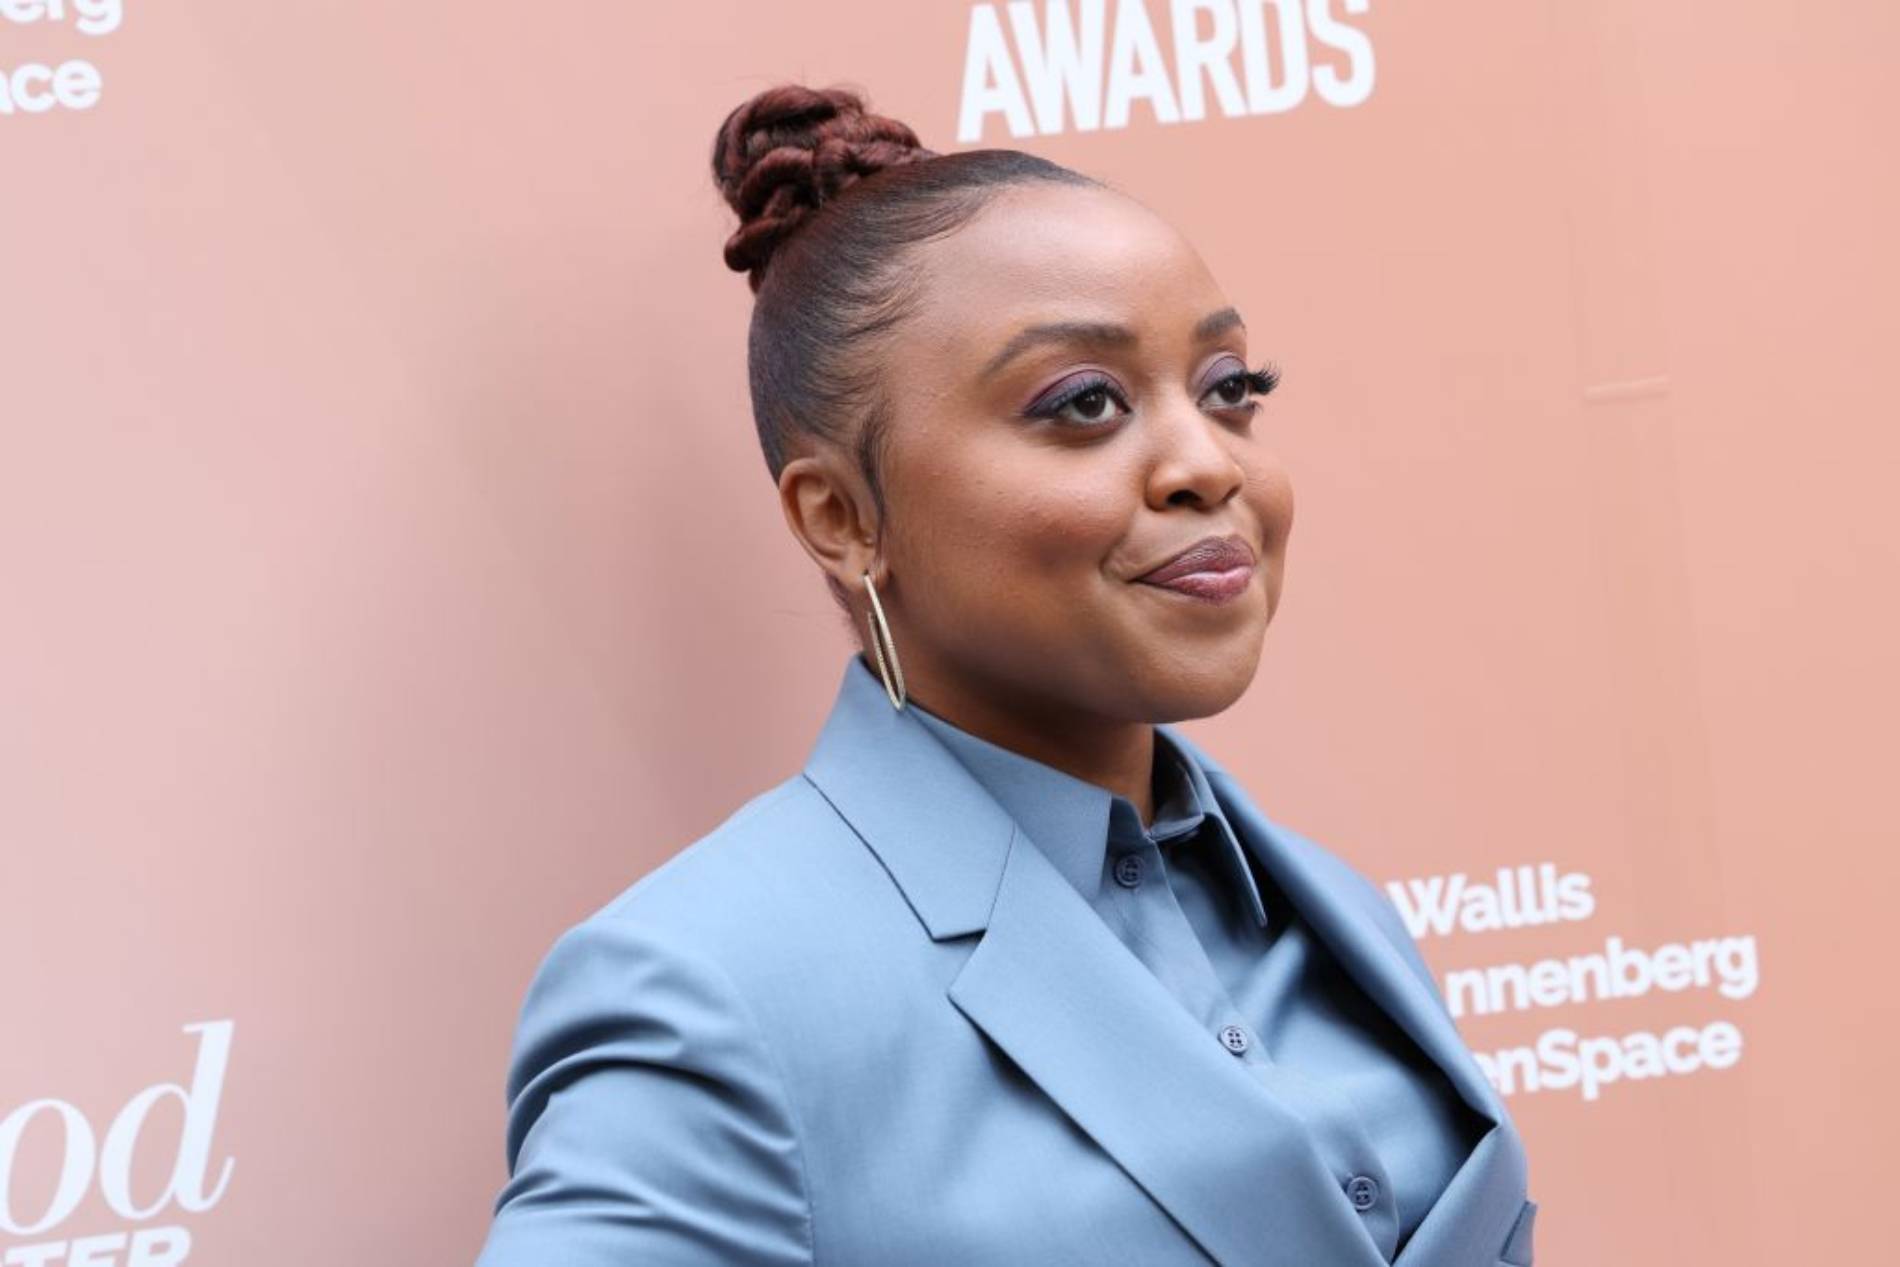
(1211, 326)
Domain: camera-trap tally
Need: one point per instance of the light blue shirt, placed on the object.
(1185, 899)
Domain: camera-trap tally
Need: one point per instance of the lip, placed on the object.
(1207, 559)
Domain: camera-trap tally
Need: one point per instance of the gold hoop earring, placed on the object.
(881, 639)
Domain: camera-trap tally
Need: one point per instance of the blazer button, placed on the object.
(1128, 870)
(1233, 1038)
(1363, 1192)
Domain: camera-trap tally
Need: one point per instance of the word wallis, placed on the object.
(1523, 896)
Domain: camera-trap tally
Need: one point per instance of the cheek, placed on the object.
(1269, 494)
(1065, 530)
(1021, 516)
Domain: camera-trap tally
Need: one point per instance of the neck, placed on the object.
(1110, 752)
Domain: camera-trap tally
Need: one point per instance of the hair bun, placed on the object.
(785, 152)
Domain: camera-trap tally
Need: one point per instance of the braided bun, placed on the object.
(786, 152)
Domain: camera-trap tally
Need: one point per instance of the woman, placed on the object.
(1011, 972)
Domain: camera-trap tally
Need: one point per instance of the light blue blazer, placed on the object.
(864, 1022)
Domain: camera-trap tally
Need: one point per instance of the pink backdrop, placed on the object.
(356, 356)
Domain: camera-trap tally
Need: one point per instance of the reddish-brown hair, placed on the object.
(831, 199)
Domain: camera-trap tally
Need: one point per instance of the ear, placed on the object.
(829, 509)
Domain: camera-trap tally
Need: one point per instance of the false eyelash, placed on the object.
(1264, 379)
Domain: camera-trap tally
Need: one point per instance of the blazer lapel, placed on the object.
(1474, 1216)
(1053, 987)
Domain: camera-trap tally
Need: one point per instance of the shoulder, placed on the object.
(672, 958)
(778, 832)
(760, 874)
(636, 1029)
(780, 884)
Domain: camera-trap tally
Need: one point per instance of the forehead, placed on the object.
(1046, 252)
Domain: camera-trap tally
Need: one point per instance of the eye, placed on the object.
(1233, 390)
(1090, 397)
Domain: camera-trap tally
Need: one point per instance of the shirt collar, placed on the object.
(1072, 820)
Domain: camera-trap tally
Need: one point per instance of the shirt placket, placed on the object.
(1157, 931)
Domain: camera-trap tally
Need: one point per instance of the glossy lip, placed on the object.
(1209, 556)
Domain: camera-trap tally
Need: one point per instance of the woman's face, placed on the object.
(1065, 416)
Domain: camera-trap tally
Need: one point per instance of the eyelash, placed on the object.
(1259, 382)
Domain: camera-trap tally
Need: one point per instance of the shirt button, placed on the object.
(1233, 1038)
(1362, 1191)
(1128, 870)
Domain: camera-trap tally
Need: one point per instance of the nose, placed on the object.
(1192, 462)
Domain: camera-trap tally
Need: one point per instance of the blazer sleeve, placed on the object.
(647, 1122)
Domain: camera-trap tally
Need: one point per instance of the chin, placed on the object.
(1181, 689)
